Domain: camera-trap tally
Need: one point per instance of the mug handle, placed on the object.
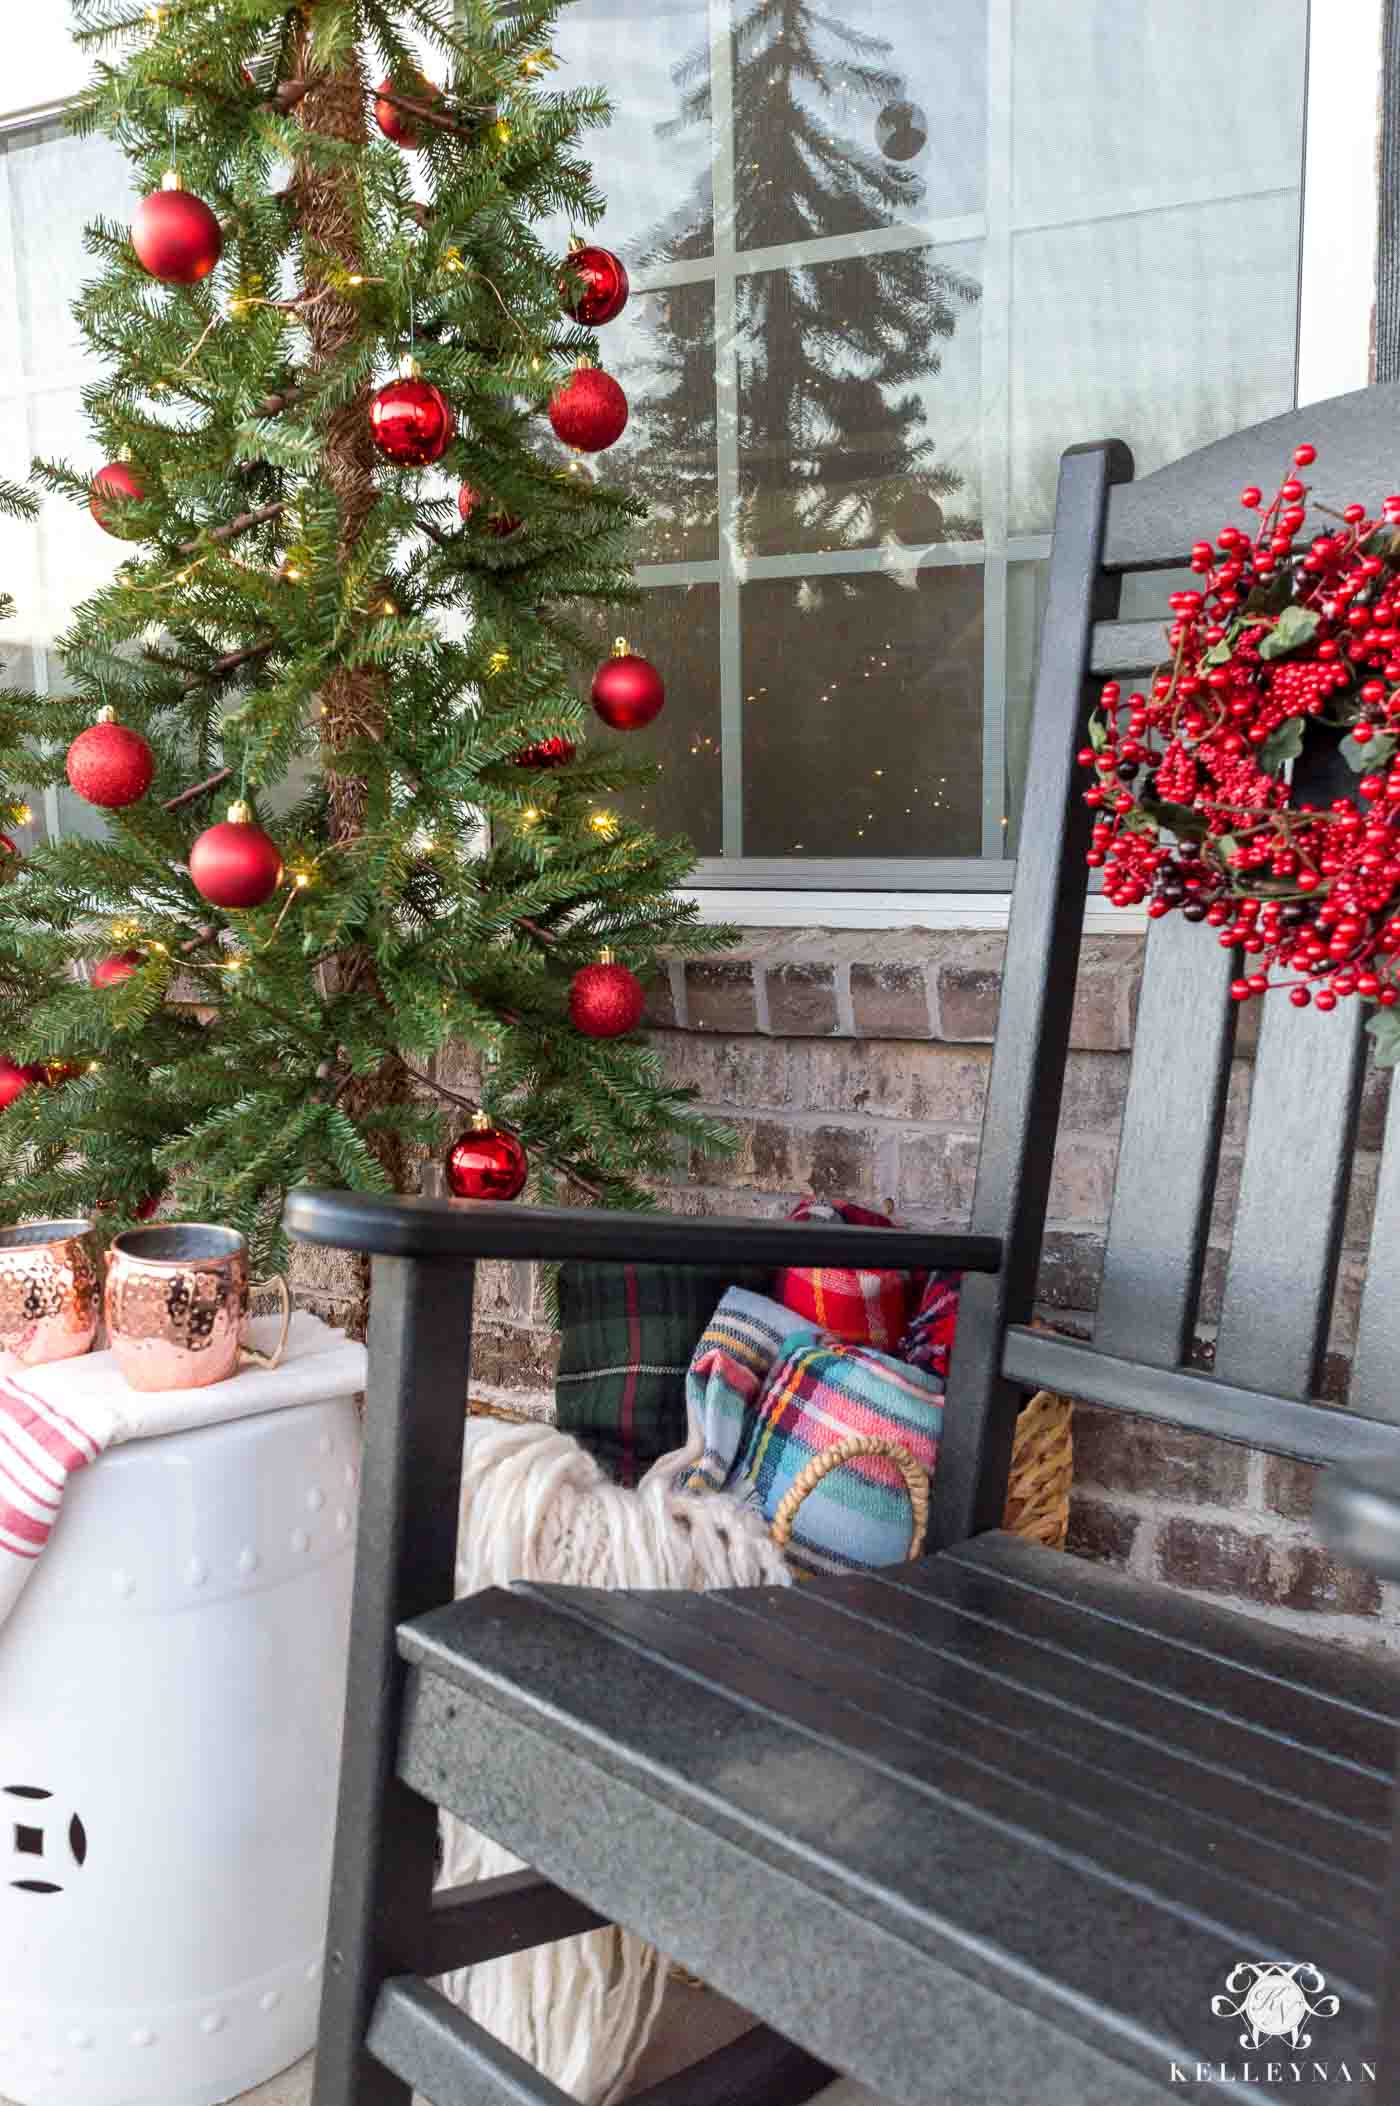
(249, 1355)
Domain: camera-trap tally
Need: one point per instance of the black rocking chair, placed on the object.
(999, 1825)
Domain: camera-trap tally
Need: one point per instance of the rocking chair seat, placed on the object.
(1001, 1814)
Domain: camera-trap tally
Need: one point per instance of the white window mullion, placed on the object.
(995, 316)
(731, 641)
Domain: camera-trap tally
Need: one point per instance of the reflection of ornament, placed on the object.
(901, 131)
(590, 410)
(606, 1000)
(175, 235)
(628, 691)
(916, 517)
(486, 1162)
(109, 765)
(119, 481)
(594, 290)
(236, 864)
(13, 1082)
(546, 753)
(110, 972)
(397, 124)
(411, 422)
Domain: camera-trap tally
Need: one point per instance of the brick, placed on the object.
(1102, 1016)
(660, 1011)
(937, 1173)
(1237, 1096)
(509, 1357)
(1309, 1578)
(504, 1291)
(1375, 1100)
(764, 1157)
(1095, 1090)
(1081, 1178)
(889, 1001)
(1361, 1201)
(1289, 1486)
(801, 1001)
(1071, 1267)
(840, 1163)
(1098, 1530)
(1125, 1454)
(720, 995)
(968, 1000)
(924, 1085)
(731, 1074)
(1218, 1559)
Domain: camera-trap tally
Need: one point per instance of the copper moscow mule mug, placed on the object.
(48, 1293)
(176, 1302)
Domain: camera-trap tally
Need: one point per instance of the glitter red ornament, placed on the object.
(486, 1162)
(110, 972)
(411, 422)
(590, 410)
(175, 235)
(236, 864)
(627, 691)
(594, 289)
(13, 1082)
(606, 1000)
(546, 753)
(110, 765)
(396, 124)
(118, 481)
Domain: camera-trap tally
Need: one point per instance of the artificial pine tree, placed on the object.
(379, 667)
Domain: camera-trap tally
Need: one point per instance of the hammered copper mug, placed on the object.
(176, 1302)
(48, 1293)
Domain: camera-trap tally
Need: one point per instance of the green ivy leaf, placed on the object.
(1179, 819)
(1219, 654)
(1274, 595)
(1290, 632)
(1282, 746)
(1384, 1028)
(1374, 754)
(1098, 733)
(1225, 845)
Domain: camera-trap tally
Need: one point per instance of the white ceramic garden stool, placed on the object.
(171, 1695)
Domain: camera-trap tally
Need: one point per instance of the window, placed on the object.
(887, 260)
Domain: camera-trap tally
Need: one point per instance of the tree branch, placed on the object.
(210, 782)
(196, 676)
(235, 527)
(427, 114)
(273, 405)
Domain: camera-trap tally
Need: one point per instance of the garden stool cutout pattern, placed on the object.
(171, 1698)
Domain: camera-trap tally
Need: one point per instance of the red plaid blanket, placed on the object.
(863, 1308)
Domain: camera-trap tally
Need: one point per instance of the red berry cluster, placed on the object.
(1191, 791)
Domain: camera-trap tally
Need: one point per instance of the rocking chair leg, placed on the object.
(419, 1355)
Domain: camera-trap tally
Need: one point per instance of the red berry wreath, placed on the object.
(1285, 663)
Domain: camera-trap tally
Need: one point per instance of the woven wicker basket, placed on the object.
(1037, 1496)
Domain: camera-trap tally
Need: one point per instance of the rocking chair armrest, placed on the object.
(1357, 1512)
(472, 1229)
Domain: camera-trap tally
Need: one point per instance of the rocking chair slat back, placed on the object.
(1375, 1370)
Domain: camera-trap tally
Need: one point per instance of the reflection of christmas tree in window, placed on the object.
(834, 446)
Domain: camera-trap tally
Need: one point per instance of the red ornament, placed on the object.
(396, 124)
(595, 288)
(495, 522)
(236, 864)
(119, 481)
(628, 691)
(54, 1073)
(411, 422)
(9, 858)
(144, 1208)
(13, 1081)
(606, 1000)
(175, 235)
(110, 972)
(109, 765)
(486, 1162)
(546, 753)
(590, 410)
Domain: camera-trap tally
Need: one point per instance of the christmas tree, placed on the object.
(357, 605)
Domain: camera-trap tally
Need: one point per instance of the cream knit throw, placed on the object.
(536, 1506)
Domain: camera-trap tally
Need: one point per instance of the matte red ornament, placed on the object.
(546, 753)
(590, 410)
(396, 124)
(175, 235)
(628, 691)
(595, 287)
(13, 1082)
(606, 1000)
(411, 422)
(236, 864)
(110, 972)
(119, 481)
(109, 764)
(486, 1162)
(144, 1208)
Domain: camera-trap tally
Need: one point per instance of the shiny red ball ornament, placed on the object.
(110, 972)
(9, 858)
(397, 125)
(606, 1000)
(590, 410)
(486, 1162)
(236, 864)
(109, 764)
(119, 481)
(546, 753)
(175, 235)
(13, 1082)
(496, 522)
(411, 422)
(628, 691)
(596, 286)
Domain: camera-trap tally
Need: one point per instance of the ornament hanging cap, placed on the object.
(607, 957)
(172, 180)
(409, 368)
(481, 1120)
(576, 243)
(240, 813)
(106, 715)
(621, 648)
(583, 365)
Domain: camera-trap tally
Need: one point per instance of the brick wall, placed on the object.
(855, 1064)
